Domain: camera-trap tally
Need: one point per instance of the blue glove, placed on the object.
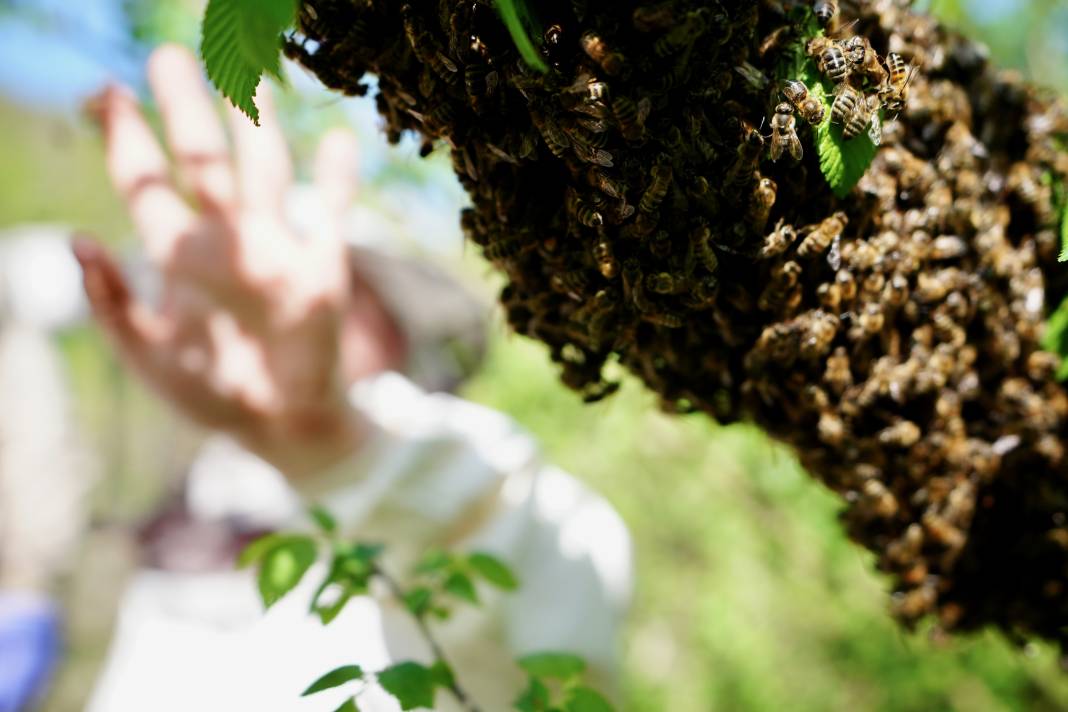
(29, 648)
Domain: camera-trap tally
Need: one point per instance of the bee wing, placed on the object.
(776, 150)
(795, 148)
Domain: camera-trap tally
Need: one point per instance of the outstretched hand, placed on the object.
(245, 338)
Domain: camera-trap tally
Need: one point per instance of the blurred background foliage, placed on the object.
(748, 595)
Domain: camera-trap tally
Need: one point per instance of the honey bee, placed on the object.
(760, 204)
(820, 236)
(830, 59)
(810, 108)
(784, 279)
(502, 249)
(583, 211)
(864, 115)
(819, 333)
(748, 157)
(684, 34)
(894, 93)
(903, 433)
(652, 18)
(658, 187)
(600, 180)
(778, 240)
(825, 10)
(606, 261)
(784, 133)
(864, 60)
(664, 283)
(597, 50)
(701, 247)
(628, 116)
(555, 137)
(847, 101)
(1024, 181)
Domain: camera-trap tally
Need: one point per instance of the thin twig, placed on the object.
(439, 654)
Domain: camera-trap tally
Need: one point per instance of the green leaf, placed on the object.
(535, 698)
(1055, 337)
(459, 584)
(493, 570)
(434, 560)
(843, 163)
(418, 601)
(512, 13)
(240, 40)
(335, 678)
(255, 551)
(323, 518)
(348, 705)
(410, 683)
(585, 699)
(284, 566)
(442, 674)
(558, 666)
(1063, 257)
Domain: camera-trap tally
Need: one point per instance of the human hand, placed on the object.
(246, 336)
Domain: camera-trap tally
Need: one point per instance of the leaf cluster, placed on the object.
(441, 579)
(555, 685)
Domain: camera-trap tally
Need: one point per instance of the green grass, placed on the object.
(749, 596)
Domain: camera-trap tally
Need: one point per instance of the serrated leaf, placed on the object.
(585, 699)
(283, 566)
(240, 40)
(512, 14)
(493, 570)
(335, 678)
(323, 518)
(557, 666)
(843, 163)
(410, 683)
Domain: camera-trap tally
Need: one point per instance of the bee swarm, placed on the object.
(891, 337)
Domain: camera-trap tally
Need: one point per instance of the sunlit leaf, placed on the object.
(240, 40)
(254, 552)
(335, 678)
(283, 566)
(410, 683)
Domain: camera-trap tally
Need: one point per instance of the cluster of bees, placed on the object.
(892, 337)
(865, 85)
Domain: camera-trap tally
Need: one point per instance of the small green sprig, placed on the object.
(440, 581)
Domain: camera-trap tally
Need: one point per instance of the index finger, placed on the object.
(140, 172)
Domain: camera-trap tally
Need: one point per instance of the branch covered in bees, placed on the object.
(890, 334)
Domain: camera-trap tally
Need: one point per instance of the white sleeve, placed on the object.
(433, 458)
